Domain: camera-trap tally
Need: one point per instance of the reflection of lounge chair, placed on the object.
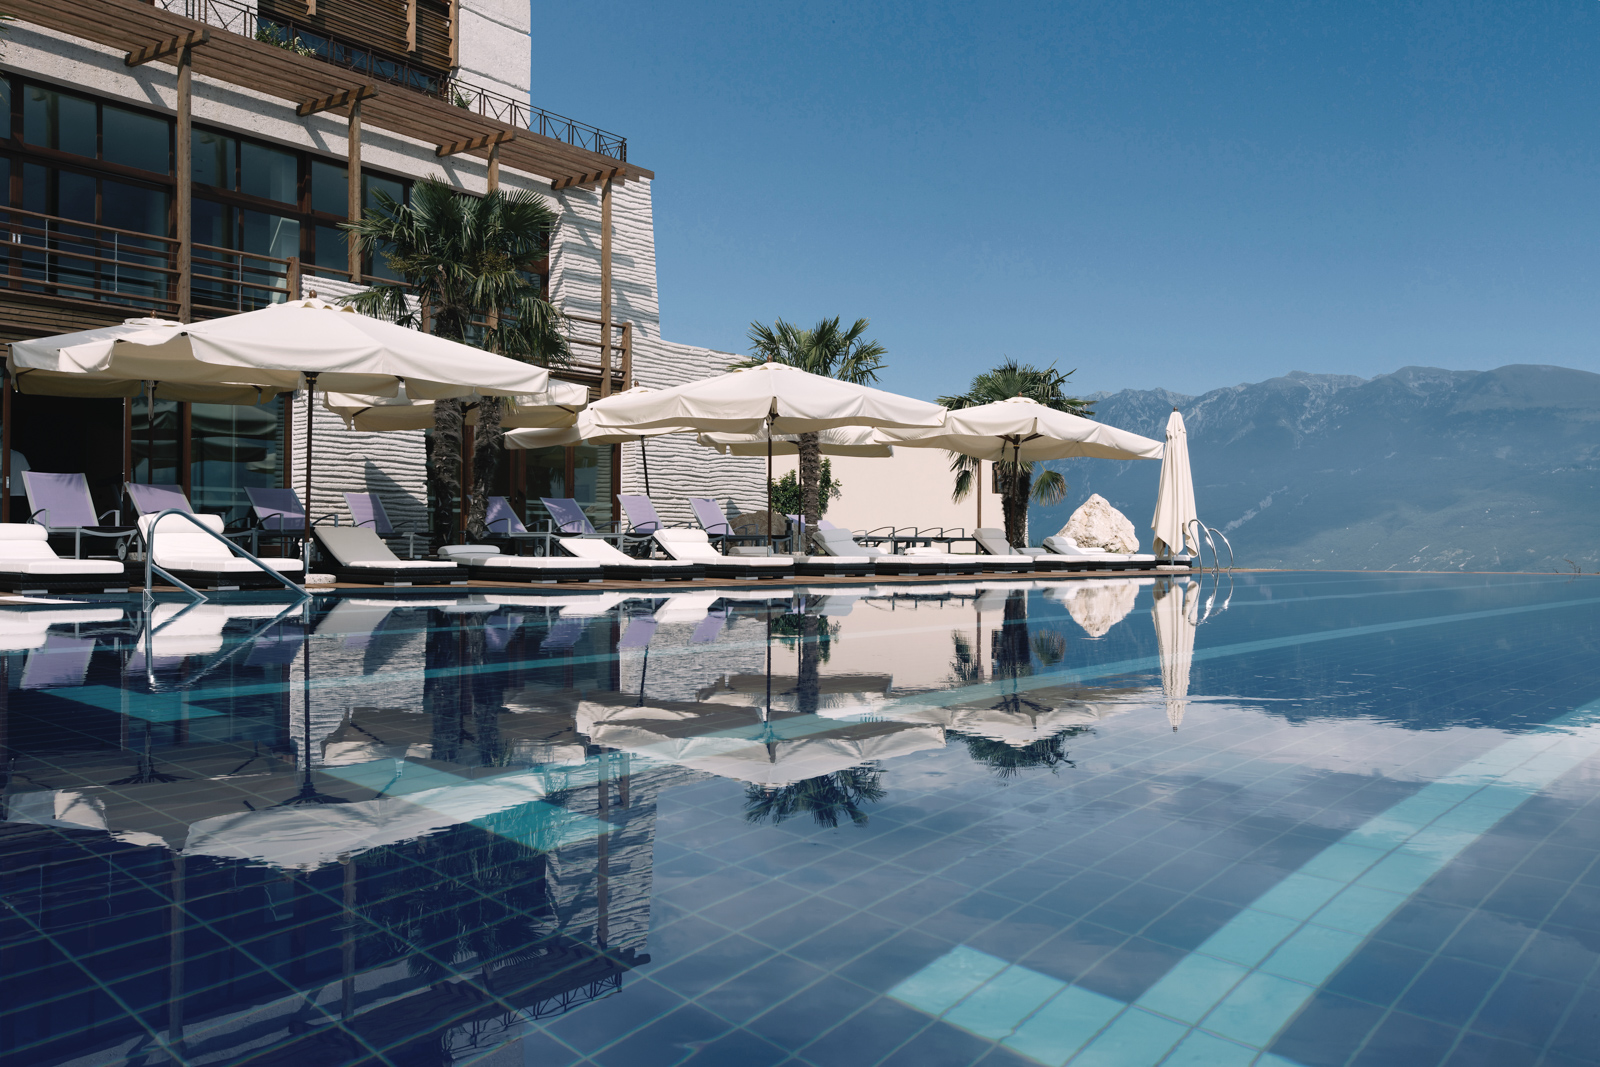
(189, 553)
(359, 555)
(694, 546)
(839, 543)
(366, 509)
(486, 563)
(1066, 555)
(616, 564)
(63, 661)
(29, 565)
(23, 629)
(61, 503)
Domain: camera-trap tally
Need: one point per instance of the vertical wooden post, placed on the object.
(183, 174)
(127, 450)
(627, 355)
(616, 483)
(287, 400)
(455, 34)
(469, 441)
(494, 168)
(352, 173)
(291, 278)
(5, 453)
(185, 447)
(605, 288)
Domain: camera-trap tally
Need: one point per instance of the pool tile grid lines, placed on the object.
(1227, 1000)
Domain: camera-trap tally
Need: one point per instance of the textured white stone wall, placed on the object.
(679, 467)
(496, 51)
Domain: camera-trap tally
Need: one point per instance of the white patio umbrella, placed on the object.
(295, 344)
(1174, 615)
(1022, 430)
(1175, 510)
(771, 398)
(585, 431)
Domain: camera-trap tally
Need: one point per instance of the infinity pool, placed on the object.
(1281, 819)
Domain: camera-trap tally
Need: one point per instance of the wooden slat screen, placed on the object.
(376, 24)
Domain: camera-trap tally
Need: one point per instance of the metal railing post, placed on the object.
(148, 536)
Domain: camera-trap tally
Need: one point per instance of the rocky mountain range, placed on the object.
(1422, 469)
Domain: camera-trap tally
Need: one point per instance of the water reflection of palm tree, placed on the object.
(826, 798)
(1006, 760)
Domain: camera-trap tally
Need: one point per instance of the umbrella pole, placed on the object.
(769, 495)
(305, 541)
(150, 431)
(644, 457)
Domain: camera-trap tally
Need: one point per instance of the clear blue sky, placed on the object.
(1183, 195)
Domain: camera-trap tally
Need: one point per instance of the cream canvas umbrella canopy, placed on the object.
(585, 431)
(1175, 614)
(839, 441)
(555, 407)
(1021, 430)
(1175, 510)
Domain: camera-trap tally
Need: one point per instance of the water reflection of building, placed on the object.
(473, 863)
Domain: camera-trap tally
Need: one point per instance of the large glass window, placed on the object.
(234, 448)
(53, 119)
(134, 139)
(155, 442)
(270, 173)
(330, 188)
(214, 159)
(591, 477)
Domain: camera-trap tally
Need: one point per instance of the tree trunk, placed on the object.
(444, 466)
(1016, 481)
(485, 455)
(810, 481)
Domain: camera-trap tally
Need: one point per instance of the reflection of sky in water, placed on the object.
(1287, 818)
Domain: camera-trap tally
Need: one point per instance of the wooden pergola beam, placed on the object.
(473, 144)
(169, 47)
(574, 180)
(342, 98)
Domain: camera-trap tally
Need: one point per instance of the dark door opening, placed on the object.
(64, 434)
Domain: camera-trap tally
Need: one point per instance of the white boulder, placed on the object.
(1097, 526)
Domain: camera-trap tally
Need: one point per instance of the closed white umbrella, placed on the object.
(1022, 430)
(1175, 614)
(1175, 510)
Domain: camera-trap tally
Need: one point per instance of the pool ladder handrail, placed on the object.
(148, 538)
(1201, 529)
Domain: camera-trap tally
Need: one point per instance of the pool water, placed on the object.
(1277, 819)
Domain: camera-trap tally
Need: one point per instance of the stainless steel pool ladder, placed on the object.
(150, 568)
(1199, 530)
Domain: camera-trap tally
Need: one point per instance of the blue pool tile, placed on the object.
(737, 1049)
(895, 960)
(868, 1036)
(1073, 951)
(1526, 897)
(998, 1006)
(1359, 909)
(1328, 1031)
(1477, 1050)
(1378, 973)
(758, 989)
(1485, 937)
(1579, 1035)
(810, 1012)
(1135, 908)
(1257, 1008)
(1249, 937)
(1525, 1009)
(1188, 924)
(1192, 988)
(1449, 991)
(1000, 1056)
(1134, 1037)
(939, 1046)
(844, 940)
(1200, 1049)
(1063, 1025)
(1405, 1039)
(946, 980)
(663, 1041)
(712, 965)
(1312, 954)
(601, 1022)
(1423, 924)
(1343, 862)
(1130, 968)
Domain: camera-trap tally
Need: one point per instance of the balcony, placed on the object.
(373, 65)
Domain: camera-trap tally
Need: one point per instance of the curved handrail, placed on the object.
(149, 539)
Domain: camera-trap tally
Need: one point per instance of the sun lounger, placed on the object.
(1065, 555)
(616, 564)
(997, 556)
(502, 521)
(62, 504)
(358, 554)
(839, 544)
(194, 556)
(366, 509)
(154, 499)
(643, 519)
(29, 565)
(694, 546)
(486, 563)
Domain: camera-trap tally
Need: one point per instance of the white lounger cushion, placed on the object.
(181, 546)
(694, 546)
(360, 546)
(594, 548)
(840, 544)
(25, 549)
(1065, 546)
(489, 556)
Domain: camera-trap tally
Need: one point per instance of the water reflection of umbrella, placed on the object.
(1176, 606)
(308, 793)
(836, 695)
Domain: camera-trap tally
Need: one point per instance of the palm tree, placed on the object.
(1015, 481)
(465, 263)
(826, 349)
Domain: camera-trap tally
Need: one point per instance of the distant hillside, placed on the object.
(1422, 469)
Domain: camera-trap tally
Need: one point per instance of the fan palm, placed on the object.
(464, 261)
(1014, 481)
(828, 349)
